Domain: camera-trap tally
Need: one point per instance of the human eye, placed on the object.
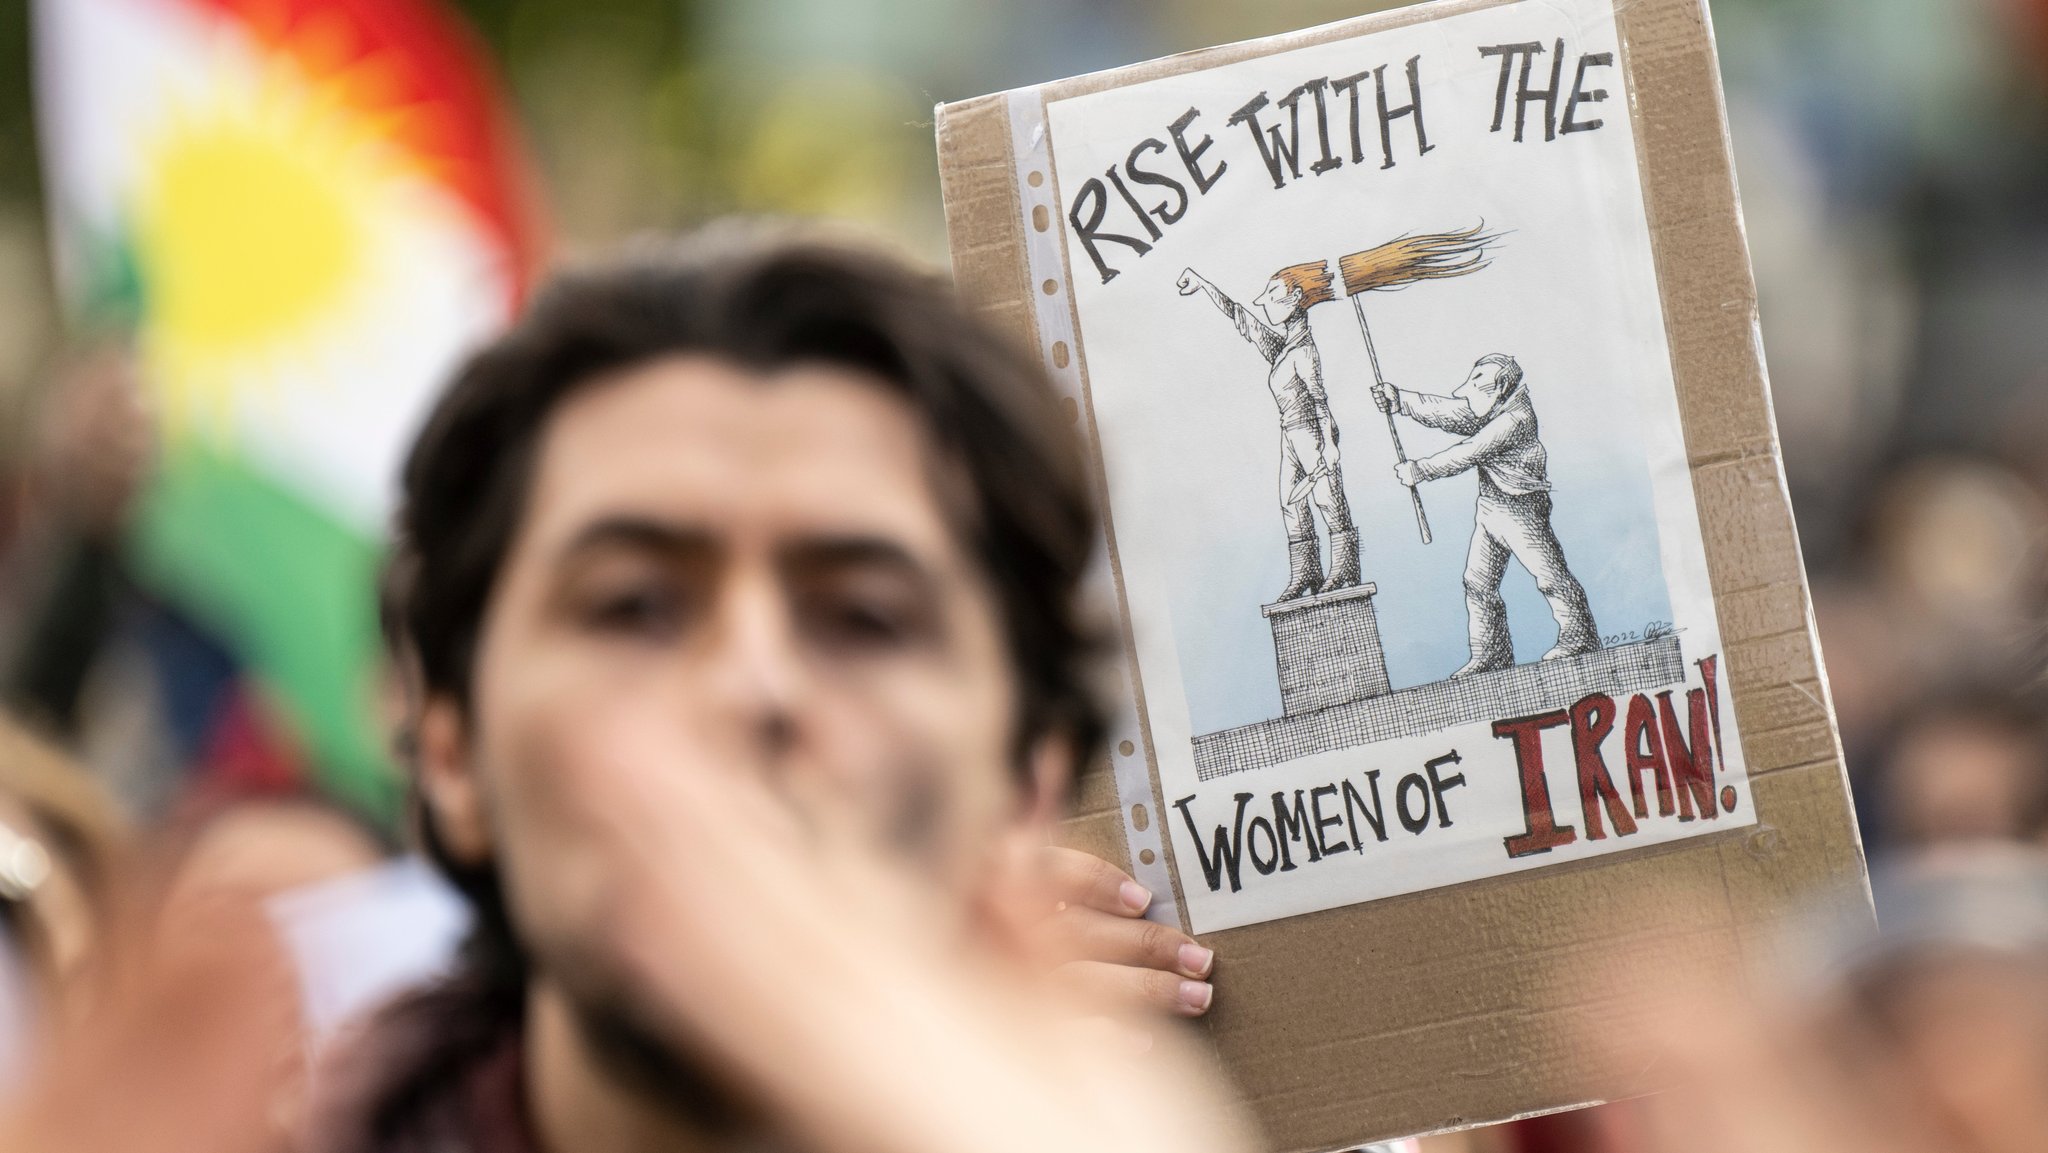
(647, 610)
(631, 600)
(866, 615)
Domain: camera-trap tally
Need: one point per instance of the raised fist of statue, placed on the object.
(1190, 282)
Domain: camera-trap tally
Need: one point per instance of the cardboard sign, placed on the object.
(1458, 582)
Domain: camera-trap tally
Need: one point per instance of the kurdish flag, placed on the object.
(307, 210)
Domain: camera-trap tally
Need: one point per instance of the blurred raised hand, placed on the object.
(96, 441)
(190, 1044)
(821, 973)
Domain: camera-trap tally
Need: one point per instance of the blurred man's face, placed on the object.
(1957, 779)
(758, 573)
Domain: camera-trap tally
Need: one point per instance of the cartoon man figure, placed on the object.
(1308, 432)
(1492, 411)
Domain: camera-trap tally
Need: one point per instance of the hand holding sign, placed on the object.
(1080, 920)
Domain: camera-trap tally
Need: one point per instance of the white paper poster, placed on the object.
(1398, 485)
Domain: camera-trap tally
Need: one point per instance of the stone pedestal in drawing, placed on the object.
(1327, 649)
(1334, 692)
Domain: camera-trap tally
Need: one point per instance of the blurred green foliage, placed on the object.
(643, 114)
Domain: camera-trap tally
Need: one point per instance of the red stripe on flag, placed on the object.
(424, 69)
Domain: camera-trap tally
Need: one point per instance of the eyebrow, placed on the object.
(828, 555)
(640, 533)
(825, 551)
(849, 551)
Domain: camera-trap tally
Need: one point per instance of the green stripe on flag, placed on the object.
(293, 590)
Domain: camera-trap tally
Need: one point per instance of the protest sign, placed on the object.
(1459, 591)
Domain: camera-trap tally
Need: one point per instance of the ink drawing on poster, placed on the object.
(1409, 544)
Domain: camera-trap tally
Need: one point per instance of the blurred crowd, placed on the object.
(1894, 165)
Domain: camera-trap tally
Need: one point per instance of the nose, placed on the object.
(756, 674)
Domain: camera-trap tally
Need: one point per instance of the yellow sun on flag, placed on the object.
(257, 237)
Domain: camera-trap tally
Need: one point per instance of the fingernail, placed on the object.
(1195, 960)
(1195, 996)
(1136, 897)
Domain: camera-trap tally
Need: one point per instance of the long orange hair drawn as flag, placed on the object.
(1407, 260)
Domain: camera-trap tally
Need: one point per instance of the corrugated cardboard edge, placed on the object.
(1115, 797)
(1471, 1004)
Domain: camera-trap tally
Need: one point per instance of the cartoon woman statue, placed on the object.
(1308, 432)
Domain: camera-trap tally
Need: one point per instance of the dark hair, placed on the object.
(762, 300)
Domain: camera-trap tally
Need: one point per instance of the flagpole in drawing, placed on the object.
(1396, 264)
(1400, 454)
